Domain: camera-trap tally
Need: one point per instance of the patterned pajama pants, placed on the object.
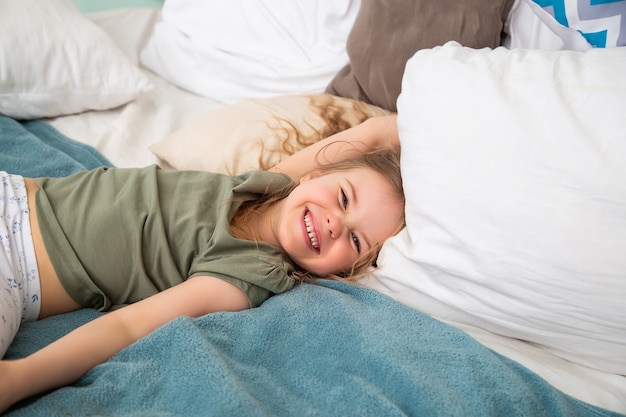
(19, 277)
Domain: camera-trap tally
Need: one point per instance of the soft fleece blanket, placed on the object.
(323, 349)
(36, 149)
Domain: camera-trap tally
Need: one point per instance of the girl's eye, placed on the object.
(357, 242)
(355, 238)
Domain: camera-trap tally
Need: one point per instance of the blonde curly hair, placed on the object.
(334, 114)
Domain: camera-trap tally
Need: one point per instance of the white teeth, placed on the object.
(309, 230)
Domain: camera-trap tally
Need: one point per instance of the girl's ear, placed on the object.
(309, 176)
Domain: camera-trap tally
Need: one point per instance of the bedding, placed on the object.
(387, 33)
(36, 149)
(532, 159)
(530, 27)
(323, 344)
(60, 63)
(601, 22)
(255, 144)
(251, 49)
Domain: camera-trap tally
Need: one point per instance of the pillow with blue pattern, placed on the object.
(601, 22)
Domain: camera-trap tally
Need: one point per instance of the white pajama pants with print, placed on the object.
(19, 277)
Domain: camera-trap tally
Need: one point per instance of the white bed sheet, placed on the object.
(124, 134)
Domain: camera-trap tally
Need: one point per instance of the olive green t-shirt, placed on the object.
(116, 236)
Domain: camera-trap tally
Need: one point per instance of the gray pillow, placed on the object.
(387, 33)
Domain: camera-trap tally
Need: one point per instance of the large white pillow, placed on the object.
(514, 167)
(53, 61)
(238, 49)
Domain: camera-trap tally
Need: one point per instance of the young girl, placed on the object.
(154, 245)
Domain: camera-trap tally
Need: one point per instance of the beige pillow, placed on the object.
(258, 133)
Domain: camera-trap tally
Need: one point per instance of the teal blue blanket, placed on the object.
(324, 349)
(36, 149)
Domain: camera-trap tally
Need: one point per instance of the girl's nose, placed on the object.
(335, 225)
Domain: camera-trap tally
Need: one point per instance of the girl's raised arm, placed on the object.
(374, 133)
(70, 357)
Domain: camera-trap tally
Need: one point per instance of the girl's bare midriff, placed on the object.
(54, 298)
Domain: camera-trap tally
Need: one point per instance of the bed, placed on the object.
(505, 294)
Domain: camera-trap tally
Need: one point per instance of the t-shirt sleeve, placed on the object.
(258, 278)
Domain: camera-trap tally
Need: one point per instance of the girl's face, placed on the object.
(328, 221)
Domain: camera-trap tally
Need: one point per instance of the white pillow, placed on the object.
(237, 49)
(53, 61)
(514, 167)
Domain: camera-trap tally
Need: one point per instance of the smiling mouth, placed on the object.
(310, 231)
